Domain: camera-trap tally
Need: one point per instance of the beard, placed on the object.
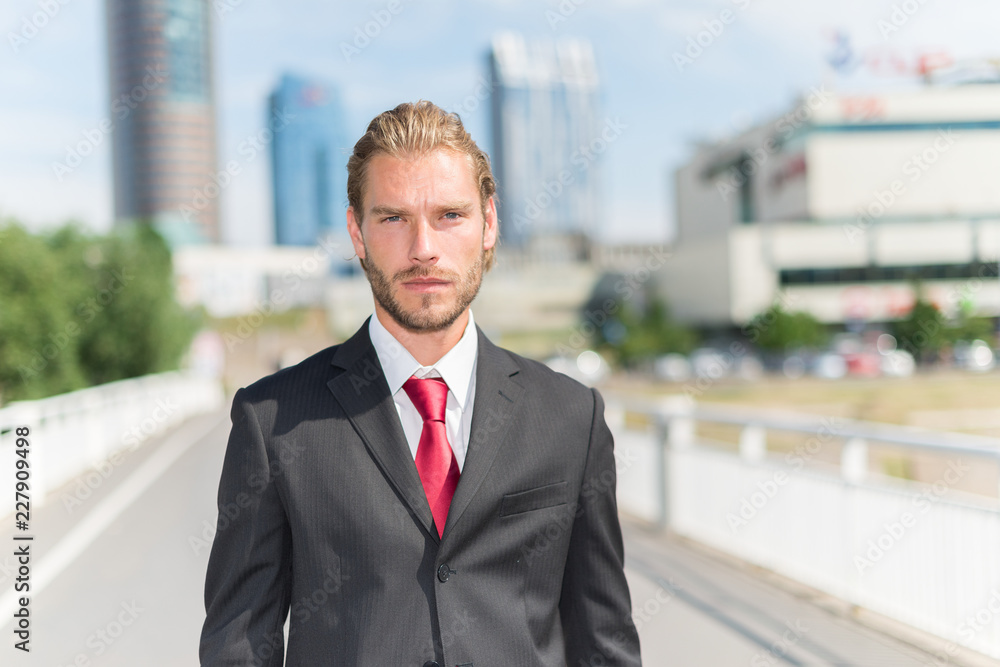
(425, 318)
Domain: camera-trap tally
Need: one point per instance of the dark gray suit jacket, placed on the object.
(322, 519)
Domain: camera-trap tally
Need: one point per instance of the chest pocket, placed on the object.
(550, 495)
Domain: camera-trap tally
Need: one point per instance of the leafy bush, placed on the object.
(777, 330)
(79, 309)
(643, 329)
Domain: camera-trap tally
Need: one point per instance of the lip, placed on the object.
(426, 284)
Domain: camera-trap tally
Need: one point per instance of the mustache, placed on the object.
(424, 272)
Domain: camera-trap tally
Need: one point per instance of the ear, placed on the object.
(354, 229)
(492, 226)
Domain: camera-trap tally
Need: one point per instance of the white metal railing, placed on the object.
(82, 430)
(924, 554)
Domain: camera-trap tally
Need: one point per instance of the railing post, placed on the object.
(675, 432)
(676, 413)
(753, 443)
(854, 460)
(662, 462)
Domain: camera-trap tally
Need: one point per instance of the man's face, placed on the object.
(423, 235)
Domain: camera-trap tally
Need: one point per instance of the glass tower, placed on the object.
(309, 154)
(163, 115)
(546, 138)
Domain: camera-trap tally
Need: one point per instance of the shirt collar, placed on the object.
(398, 365)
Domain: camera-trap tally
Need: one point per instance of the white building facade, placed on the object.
(838, 206)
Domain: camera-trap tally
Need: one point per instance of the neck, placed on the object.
(427, 347)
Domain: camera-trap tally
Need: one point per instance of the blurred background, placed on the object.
(749, 222)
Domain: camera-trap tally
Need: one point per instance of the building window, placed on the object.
(185, 33)
(833, 276)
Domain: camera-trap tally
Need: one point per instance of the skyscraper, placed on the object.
(163, 115)
(545, 121)
(308, 160)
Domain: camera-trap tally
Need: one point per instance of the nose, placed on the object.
(423, 246)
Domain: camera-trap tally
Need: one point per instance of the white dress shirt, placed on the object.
(457, 368)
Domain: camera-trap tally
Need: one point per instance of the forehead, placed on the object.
(437, 174)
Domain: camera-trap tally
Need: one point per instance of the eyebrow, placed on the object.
(461, 205)
(381, 209)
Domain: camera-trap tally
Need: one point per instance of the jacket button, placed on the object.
(444, 573)
(432, 663)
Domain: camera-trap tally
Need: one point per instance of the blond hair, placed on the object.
(414, 129)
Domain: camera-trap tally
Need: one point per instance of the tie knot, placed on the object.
(429, 396)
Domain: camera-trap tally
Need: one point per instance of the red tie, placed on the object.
(435, 459)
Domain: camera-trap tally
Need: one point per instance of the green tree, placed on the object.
(971, 328)
(968, 327)
(37, 335)
(922, 332)
(777, 330)
(135, 325)
(78, 309)
(648, 332)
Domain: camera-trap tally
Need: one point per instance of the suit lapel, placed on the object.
(362, 392)
(497, 396)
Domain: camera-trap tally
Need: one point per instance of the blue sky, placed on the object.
(53, 86)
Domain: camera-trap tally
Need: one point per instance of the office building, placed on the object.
(163, 115)
(309, 152)
(837, 206)
(547, 142)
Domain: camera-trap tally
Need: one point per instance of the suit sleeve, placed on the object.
(248, 583)
(595, 606)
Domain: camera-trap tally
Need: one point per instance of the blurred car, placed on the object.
(672, 368)
(829, 366)
(898, 363)
(974, 356)
(588, 367)
(707, 362)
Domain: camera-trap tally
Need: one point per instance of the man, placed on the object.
(416, 495)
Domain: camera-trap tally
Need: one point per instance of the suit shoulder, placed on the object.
(287, 380)
(538, 377)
